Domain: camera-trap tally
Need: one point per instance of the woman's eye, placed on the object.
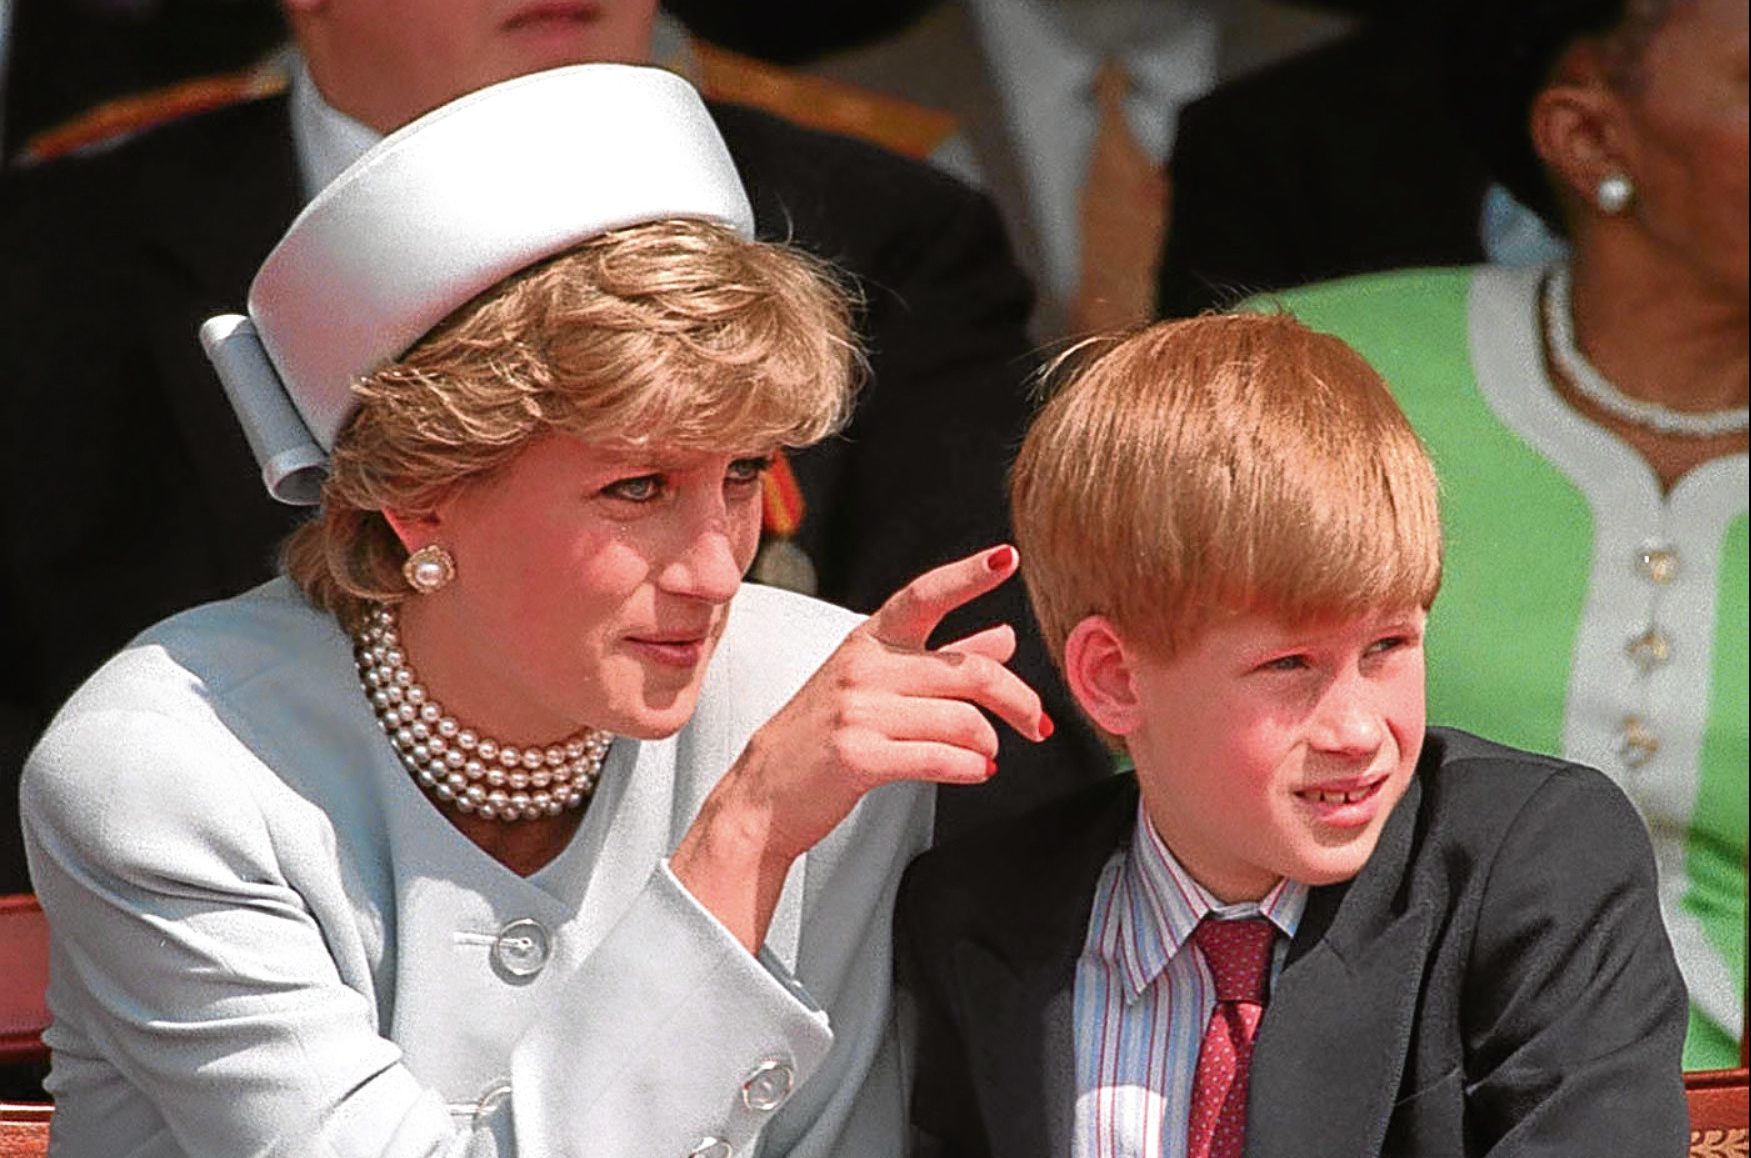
(642, 489)
(748, 470)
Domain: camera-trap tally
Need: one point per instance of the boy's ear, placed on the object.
(1097, 667)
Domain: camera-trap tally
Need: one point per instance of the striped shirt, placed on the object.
(1144, 996)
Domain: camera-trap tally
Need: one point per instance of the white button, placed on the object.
(522, 948)
(711, 1148)
(768, 1086)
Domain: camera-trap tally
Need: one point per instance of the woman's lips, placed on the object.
(670, 652)
(1344, 803)
(538, 17)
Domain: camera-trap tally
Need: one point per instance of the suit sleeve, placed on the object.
(1574, 1011)
(187, 958)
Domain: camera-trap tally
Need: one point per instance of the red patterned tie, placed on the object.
(1239, 956)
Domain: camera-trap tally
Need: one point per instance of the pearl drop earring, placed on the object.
(1614, 194)
(428, 569)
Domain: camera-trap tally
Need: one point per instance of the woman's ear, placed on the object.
(414, 531)
(1097, 668)
(1578, 128)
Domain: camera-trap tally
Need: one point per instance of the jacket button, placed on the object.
(711, 1148)
(768, 1086)
(522, 948)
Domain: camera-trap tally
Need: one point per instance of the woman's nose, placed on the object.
(706, 568)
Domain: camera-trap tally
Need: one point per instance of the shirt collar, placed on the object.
(1160, 904)
(327, 139)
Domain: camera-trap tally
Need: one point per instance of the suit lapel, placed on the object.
(1015, 980)
(212, 207)
(1331, 1048)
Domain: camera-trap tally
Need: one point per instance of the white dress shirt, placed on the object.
(1044, 56)
(1144, 996)
(327, 140)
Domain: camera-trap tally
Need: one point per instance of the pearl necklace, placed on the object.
(457, 764)
(1559, 326)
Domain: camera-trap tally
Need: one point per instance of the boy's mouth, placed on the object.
(1323, 796)
(1344, 802)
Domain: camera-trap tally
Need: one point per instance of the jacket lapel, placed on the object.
(1015, 980)
(1331, 1048)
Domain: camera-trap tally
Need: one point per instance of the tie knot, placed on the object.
(1112, 84)
(1239, 956)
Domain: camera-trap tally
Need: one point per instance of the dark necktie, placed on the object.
(1239, 956)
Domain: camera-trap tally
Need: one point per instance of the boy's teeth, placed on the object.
(1338, 797)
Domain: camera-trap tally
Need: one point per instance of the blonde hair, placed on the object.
(674, 332)
(1221, 465)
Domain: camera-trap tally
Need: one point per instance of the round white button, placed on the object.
(522, 948)
(768, 1086)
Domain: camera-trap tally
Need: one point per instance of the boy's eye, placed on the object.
(1285, 663)
(641, 489)
(1389, 643)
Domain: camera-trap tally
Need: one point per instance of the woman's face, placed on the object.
(1686, 122)
(592, 584)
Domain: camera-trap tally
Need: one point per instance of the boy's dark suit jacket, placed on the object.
(1495, 981)
(127, 491)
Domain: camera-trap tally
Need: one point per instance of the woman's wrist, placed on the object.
(730, 864)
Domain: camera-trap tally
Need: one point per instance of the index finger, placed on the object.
(912, 613)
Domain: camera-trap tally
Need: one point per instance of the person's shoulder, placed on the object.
(845, 192)
(996, 873)
(151, 745)
(1389, 290)
(179, 667)
(773, 641)
(1484, 796)
(95, 198)
(200, 142)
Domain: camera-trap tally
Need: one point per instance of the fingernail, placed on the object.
(990, 768)
(1001, 559)
(1046, 726)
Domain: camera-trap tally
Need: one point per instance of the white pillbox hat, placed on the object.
(441, 210)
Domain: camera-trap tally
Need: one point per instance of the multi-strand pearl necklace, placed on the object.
(455, 763)
(1559, 327)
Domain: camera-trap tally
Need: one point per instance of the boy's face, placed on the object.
(1267, 750)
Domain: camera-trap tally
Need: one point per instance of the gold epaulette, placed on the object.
(816, 102)
(124, 116)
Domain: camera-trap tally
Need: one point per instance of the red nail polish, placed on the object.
(1001, 559)
(1046, 726)
(990, 768)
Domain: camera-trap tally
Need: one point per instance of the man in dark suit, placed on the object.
(1307, 924)
(1345, 160)
(131, 494)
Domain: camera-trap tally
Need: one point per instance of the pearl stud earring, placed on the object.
(428, 569)
(1614, 194)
